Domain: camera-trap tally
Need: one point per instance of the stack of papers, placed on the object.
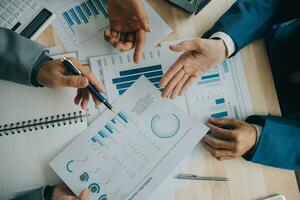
(221, 92)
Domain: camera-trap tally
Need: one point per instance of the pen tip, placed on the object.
(112, 110)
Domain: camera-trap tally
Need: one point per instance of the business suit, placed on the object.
(20, 60)
(246, 21)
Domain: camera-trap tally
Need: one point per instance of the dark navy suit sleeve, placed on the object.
(248, 20)
(279, 143)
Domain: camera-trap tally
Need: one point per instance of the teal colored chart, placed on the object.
(165, 126)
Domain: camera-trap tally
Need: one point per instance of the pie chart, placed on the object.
(165, 126)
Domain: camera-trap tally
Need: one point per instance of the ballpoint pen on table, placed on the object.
(71, 67)
(204, 178)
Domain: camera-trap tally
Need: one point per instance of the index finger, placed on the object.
(220, 131)
(140, 38)
(172, 71)
(84, 195)
(85, 71)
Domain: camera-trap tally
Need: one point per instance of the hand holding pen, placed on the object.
(54, 74)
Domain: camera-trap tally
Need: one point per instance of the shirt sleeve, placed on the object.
(229, 43)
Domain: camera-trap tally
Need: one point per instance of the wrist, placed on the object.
(229, 43)
(221, 47)
(36, 69)
(254, 140)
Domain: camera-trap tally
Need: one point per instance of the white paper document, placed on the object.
(221, 92)
(127, 154)
(80, 26)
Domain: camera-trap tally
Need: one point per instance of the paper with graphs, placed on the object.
(127, 154)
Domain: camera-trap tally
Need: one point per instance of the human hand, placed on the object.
(199, 56)
(54, 74)
(236, 139)
(62, 192)
(128, 26)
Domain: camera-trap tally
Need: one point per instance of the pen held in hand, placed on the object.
(71, 68)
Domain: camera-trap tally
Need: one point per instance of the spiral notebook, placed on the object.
(35, 125)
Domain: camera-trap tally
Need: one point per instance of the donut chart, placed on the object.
(165, 126)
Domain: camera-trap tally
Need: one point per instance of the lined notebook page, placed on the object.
(25, 156)
(20, 103)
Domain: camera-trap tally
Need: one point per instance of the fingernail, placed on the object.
(83, 81)
(148, 27)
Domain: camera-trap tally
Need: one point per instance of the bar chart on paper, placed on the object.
(120, 72)
(84, 19)
(221, 92)
(213, 76)
(128, 77)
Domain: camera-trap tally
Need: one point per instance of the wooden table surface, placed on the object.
(248, 181)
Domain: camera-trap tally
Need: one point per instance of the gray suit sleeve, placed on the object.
(36, 194)
(19, 57)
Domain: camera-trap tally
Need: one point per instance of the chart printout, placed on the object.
(127, 154)
(220, 92)
(80, 25)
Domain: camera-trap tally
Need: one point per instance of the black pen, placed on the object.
(71, 67)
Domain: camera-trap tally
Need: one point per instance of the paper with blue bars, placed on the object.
(80, 26)
(220, 92)
(127, 154)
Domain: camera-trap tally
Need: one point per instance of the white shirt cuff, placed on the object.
(227, 40)
(258, 132)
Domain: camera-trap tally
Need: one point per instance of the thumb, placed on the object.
(84, 195)
(74, 81)
(184, 46)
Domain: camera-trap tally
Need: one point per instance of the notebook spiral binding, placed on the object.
(41, 123)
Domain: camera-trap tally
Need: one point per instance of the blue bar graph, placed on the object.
(220, 114)
(97, 141)
(135, 77)
(102, 134)
(123, 116)
(220, 101)
(210, 76)
(122, 91)
(101, 7)
(74, 16)
(81, 14)
(128, 77)
(209, 81)
(68, 18)
(225, 66)
(109, 128)
(86, 9)
(92, 7)
(219, 108)
(140, 70)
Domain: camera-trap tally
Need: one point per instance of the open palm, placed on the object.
(199, 56)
